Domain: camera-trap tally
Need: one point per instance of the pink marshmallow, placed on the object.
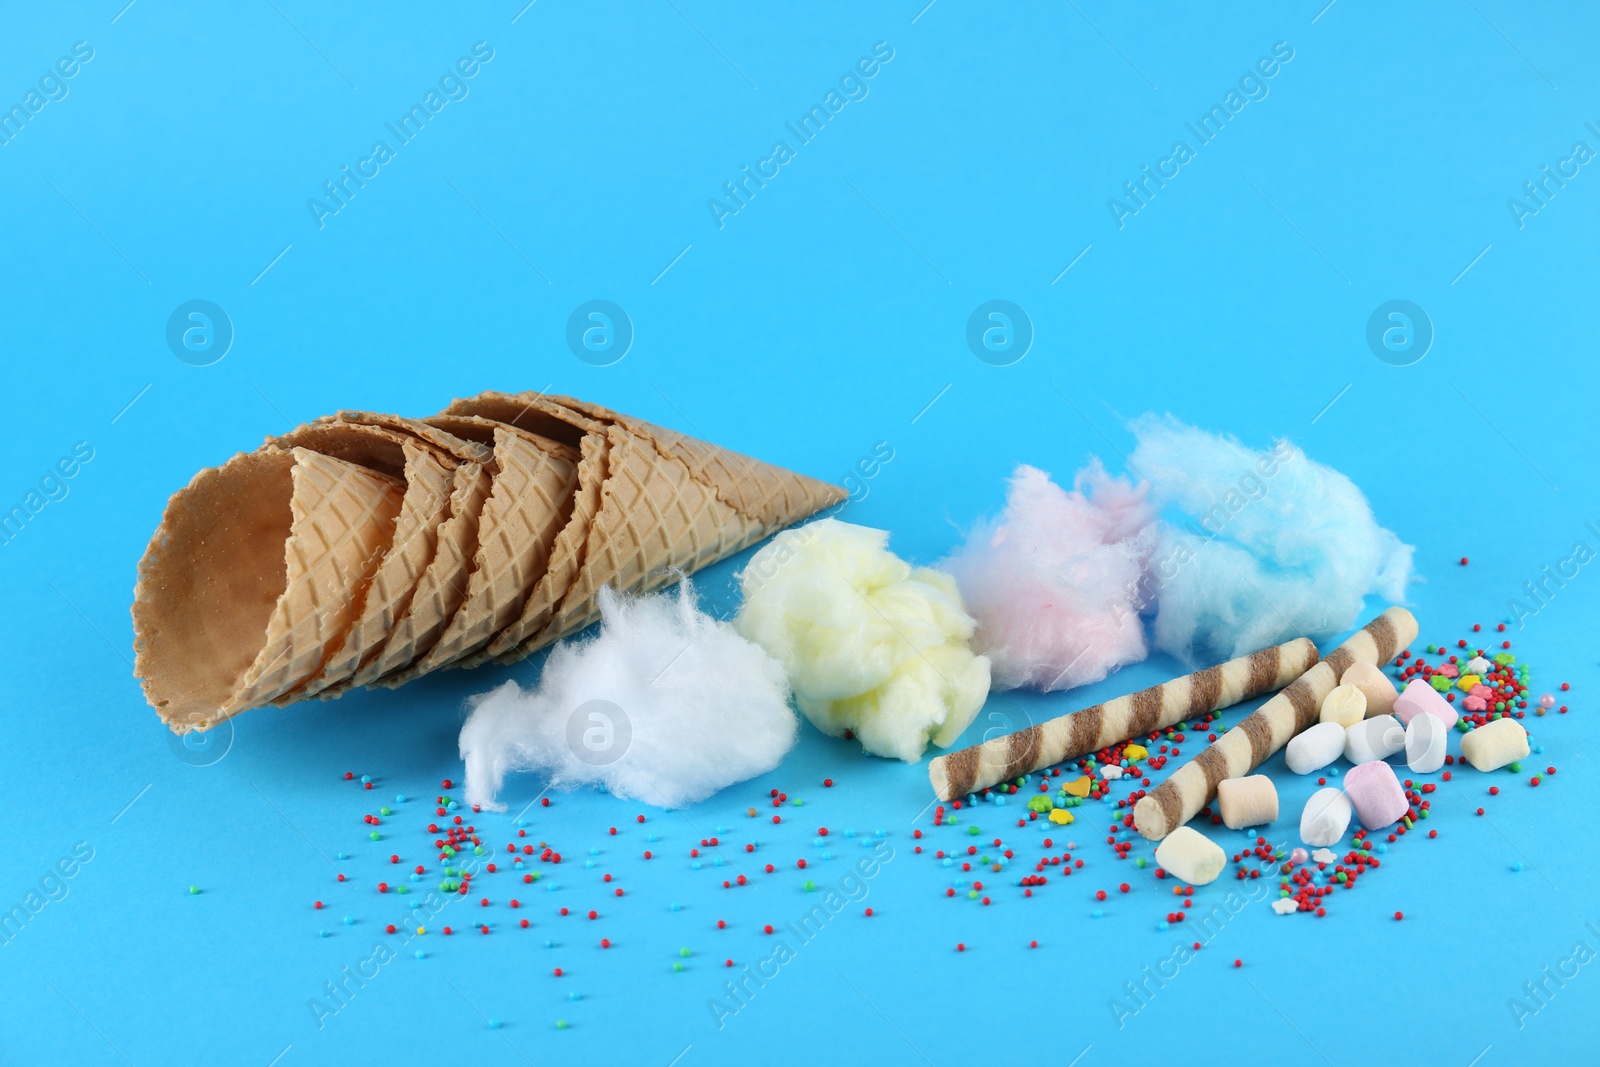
(1376, 794)
(1420, 697)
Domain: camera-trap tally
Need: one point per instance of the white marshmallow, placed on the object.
(1325, 818)
(1426, 740)
(1285, 905)
(1315, 748)
(1494, 745)
(1375, 738)
(1345, 705)
(1479, 666)
(1111, 772)
(1191, 856)
(1251, 801)
(1324, 855)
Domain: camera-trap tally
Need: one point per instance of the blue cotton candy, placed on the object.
(1272, 545)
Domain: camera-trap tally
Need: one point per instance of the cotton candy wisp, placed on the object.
(1272, 545)
(1054, 579)
(666, 705)
(870, 644)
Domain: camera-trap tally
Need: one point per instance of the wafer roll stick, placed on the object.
(1270, 727)
(1081, 732)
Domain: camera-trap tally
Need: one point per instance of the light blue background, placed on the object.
(826, 316)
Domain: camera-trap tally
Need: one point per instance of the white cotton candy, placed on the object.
(1274, 545)
(1054, 580)
(665, 706)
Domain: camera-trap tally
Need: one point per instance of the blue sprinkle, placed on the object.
(948, 861)
(1097, 913)
(827, 855)
(450, 806)
(400, 798)
(594, 852)
(494, 1024)
(348, 921)
(574, 996)
(343, 856)
(653, 837)
(324, 933)
(588, 863)
(1163, 925)
(1516, 866)
(550, 943)
(522, 822)
(677, 907)
(421, 954)
(695, 865)
(999, 801)
(877, 833)
(717, 861)
(365, 778)
(818, 842)
(550, 887)
(849, 833)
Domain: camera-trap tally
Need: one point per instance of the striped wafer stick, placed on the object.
(1270, 727)
(1069, 736)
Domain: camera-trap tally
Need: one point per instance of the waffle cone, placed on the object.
(529, 502)
(367, 549)
(251, 580)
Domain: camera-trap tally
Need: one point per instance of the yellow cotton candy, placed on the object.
(870, 644)
(1060, 816)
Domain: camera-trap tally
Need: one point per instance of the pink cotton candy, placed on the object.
(1054, 580)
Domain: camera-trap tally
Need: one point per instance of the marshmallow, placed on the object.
(1374, 685)
(1376, 794)
(1325, 818)
(1315, 748)
(1373, 739)
(1479, 666)
(1285, 905)
(1191, 856)
(1251, 801)
(1345, 705)
(1111, 772)
(1421, 697)
(1496, 744)
(1324, 855)
(1426, 739)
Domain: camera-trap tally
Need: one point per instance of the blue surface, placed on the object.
(828, 314)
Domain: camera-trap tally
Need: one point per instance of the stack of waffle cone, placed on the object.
(366, 549)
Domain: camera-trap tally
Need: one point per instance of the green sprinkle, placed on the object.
(684, 953)
(797, 802)
(1515, 767)
(1139, 862)
(974, 831)
(194, 891)
(373, 835)
(677, 967)
(810, 886)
